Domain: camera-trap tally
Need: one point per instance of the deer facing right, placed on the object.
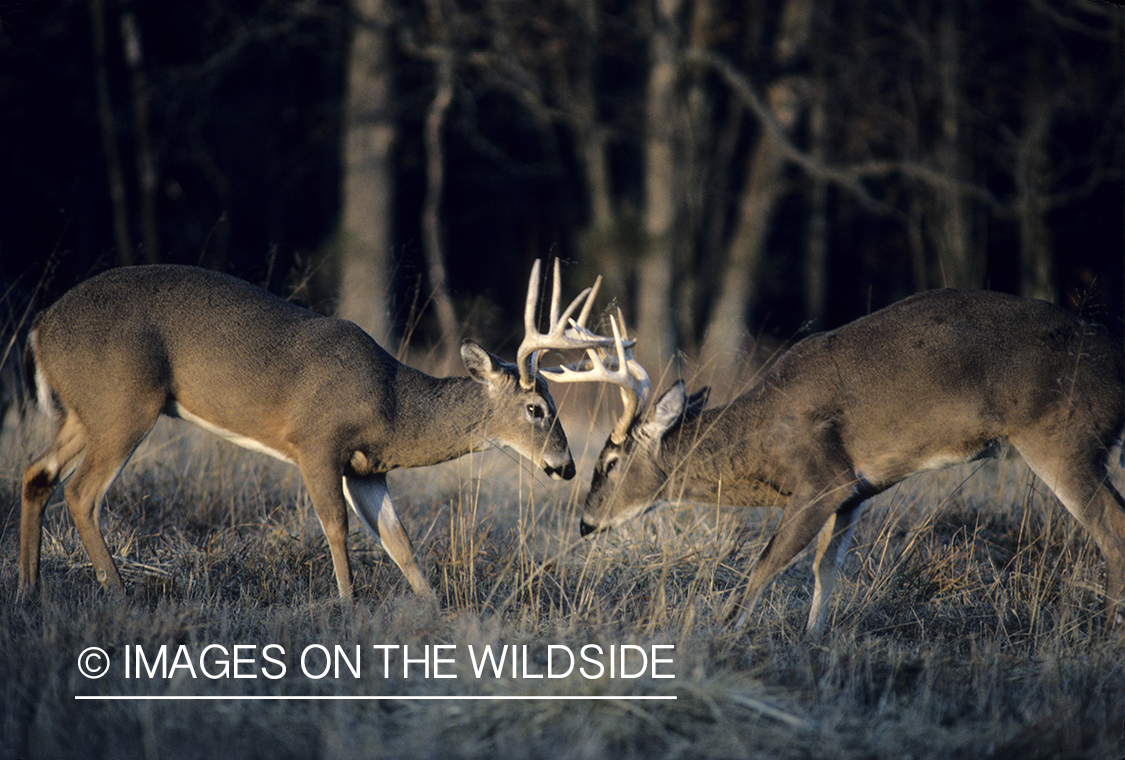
(121, 349)
(940, 378)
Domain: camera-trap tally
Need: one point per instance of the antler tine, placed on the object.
(532, 299)
(636, 396)
(588, 369)
(578, 327)
(556, 292)
(528, 346)
(628, 374)
(559, 335)
(589, 304)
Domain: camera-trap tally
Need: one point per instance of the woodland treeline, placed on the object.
(733, 169)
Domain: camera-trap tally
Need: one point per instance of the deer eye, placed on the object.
(610, 465)
(535, 412)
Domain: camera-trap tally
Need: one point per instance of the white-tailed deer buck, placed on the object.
(122, 348)
(937, 379)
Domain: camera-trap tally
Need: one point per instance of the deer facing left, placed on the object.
(941, 378)
(120, 349)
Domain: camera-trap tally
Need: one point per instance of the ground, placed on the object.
(966, 623)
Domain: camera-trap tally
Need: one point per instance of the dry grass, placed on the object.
(965, 622)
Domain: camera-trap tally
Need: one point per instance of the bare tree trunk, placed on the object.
(951, 228)
(591, 136)
(146, 163)
(706, 147)
(726, 330)
(433, 239)
(109, 137)
(1037, 261)
(369, 137)
(606, 237)
(916, 238)
(656, 265)
(816, 240)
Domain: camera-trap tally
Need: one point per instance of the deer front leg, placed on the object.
(830, 549)
(806, 514)
(371, 500)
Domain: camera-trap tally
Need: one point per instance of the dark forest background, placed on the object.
(734, 169)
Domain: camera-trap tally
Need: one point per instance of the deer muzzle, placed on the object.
(589, 529)
(565, 472)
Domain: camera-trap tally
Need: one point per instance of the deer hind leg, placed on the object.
(371, 500)
(1081, 482)
(39, 482)
(808, 511)
(107, 451)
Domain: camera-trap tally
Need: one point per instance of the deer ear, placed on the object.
(665, 413)
(483, 366)
(696, 403)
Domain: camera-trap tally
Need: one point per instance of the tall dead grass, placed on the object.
(965, 623)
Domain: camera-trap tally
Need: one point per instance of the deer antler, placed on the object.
(563, 333)
(627, 373)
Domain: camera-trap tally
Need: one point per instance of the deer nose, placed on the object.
(587, 529)
(566, 472)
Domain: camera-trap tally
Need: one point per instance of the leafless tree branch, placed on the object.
(849, 177)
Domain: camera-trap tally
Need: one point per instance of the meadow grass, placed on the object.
(966, 621)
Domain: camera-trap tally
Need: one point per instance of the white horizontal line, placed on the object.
(252, 697)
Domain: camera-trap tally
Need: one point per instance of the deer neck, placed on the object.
(722, 457)
(436, 420)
